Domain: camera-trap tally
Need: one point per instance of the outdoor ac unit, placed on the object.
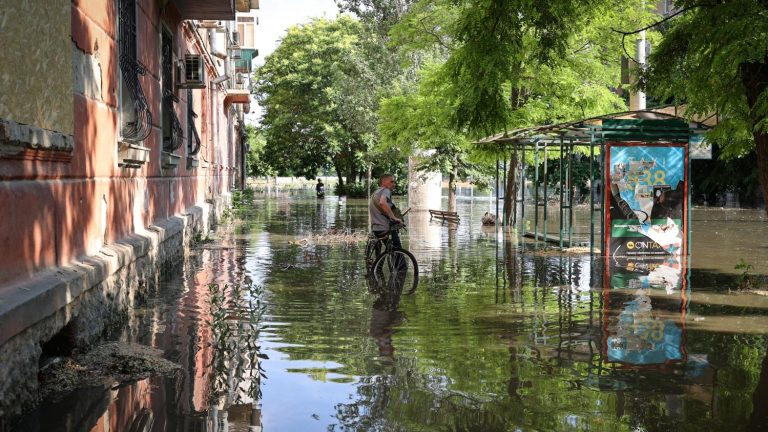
(192, 75)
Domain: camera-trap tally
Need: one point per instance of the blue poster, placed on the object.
(646, 197)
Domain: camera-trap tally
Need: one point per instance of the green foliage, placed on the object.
(319, 94)
(579, 170)
(355, 190)
(236, 314)
(378, 15)
(360, 190)
(517, 63)
(420, 121)
(242, 199)
(255, 158)
(714, 59)
(704, 69)
(746, 279)
(487, 66)
(712, 179)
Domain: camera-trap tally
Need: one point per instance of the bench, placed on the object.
(445, 216)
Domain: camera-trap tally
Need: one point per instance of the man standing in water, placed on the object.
(381, 209)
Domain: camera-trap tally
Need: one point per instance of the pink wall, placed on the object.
(58, 211)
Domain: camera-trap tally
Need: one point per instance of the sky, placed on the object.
(275, 16)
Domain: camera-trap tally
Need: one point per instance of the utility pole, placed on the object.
(637, 99)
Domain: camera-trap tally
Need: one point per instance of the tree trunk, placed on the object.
(452, 189)
(754, 76)
(352, 174)
(761, 143)
(510, 191)
(341, 179)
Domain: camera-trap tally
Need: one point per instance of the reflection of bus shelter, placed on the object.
(589, 137)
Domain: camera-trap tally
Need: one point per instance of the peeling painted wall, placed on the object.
(36, 68)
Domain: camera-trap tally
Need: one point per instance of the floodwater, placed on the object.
(499, 336)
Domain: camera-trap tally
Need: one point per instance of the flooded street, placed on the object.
(494, 339)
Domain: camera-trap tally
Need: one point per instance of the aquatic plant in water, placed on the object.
(236, 312)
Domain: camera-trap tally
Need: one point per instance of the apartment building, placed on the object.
(121, 137)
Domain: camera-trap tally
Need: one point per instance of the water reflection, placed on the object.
(498, 336)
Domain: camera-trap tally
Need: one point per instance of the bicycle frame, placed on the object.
(374, 241)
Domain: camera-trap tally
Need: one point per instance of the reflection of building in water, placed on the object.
(182, 324)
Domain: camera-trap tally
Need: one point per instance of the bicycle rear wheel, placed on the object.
(372, 247)
(397, 270)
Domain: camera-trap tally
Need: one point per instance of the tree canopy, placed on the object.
(714, 58)
(319, 93)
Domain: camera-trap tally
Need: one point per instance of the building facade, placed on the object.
(121, 137)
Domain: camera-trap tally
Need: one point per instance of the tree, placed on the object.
(255, 161)
(420, 120)
(515, 63)
(378, 15)
(714, 58)
(319, 93)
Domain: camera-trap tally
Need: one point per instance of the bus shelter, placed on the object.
(639, 205)
(639, 188)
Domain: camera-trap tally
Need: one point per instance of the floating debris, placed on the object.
(489, 219)
(554, 251)
(105, 365)
(333, 236)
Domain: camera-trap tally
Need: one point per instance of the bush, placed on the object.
(242, 198)
(354, 190)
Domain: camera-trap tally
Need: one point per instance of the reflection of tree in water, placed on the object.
(236, 316)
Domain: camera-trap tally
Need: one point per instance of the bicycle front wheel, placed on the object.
(397, 270)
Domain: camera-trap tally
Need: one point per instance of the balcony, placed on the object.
(244, 64)
(237, 96)
(207, 9)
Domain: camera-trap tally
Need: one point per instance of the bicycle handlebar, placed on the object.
(397, 227)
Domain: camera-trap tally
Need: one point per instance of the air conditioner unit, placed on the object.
(192, 74)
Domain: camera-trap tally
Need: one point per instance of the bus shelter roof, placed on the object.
(661, 124)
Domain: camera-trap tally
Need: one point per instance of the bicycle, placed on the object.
(394, 268)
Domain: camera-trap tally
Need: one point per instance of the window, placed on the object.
(172, 132)
(247, 29)
(135, 117)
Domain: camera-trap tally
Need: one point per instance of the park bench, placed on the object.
(445, 216)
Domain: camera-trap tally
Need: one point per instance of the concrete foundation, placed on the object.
(77, 302)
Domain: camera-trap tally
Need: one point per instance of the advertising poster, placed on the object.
(647, 200)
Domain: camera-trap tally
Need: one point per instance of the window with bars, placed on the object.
(172, 131)
(135, 117)
(193, 138)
